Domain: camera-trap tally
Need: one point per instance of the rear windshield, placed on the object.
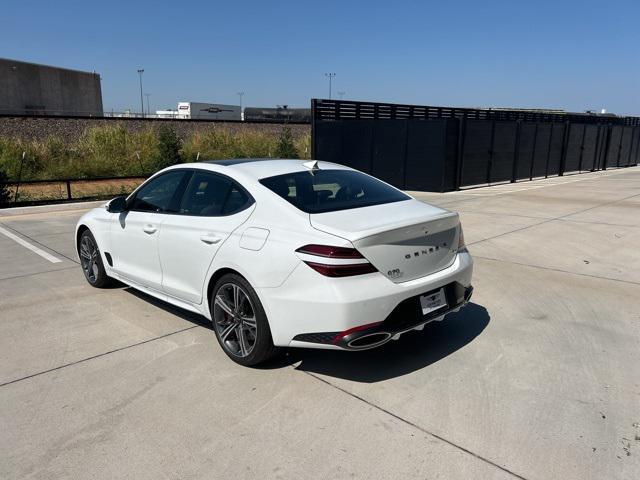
(331, 190)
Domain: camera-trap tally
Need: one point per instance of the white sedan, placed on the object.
(282, 253)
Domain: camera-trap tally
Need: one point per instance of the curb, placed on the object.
(59, 207)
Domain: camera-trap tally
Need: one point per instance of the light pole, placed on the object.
(329, 76)
(148, 109)
(341, 94)
(240, 94)
(140, 72)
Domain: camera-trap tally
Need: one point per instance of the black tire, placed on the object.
(233, 320)
(92, 266)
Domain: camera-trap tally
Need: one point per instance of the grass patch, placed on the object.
(112, 150)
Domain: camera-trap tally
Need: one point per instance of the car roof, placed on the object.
(258, 168)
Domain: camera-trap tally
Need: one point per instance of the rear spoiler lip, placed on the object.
(387, 228)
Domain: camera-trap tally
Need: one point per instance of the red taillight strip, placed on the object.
(332, 261)
(342, 270)
(330, 251)
(341, 335)
(305, 257)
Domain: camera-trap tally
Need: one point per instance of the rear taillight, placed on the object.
(461, 244)
(333, 261)
(329, 270)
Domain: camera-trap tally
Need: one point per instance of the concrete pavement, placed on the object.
(538, 378)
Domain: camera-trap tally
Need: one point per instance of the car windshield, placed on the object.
(323, 191)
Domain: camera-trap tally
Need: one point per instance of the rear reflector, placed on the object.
(359, 328)
(333, 261)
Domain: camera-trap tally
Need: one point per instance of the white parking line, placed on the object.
(33, 248)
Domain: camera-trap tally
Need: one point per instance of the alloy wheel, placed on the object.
(89, 258)
(234, 319)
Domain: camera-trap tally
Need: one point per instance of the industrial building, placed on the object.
(33, 89)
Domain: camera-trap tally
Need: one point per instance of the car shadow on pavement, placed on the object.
(413, 351)
(167, 307)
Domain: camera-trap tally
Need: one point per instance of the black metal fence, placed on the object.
(442, 149)
(299, 116)
(62, 190)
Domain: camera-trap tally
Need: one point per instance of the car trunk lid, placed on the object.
(403, 240)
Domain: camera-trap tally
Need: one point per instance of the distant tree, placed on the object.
(286, 148)
(4, 191)
(169, 145)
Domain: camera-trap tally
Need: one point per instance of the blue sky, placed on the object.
(574, 55)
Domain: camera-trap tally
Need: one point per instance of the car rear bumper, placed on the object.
(310, 310)
(406, 316)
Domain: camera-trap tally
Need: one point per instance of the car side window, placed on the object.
(159, 194)
(206, 195)
(237, 200)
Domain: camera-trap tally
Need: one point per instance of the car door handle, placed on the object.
(209, 238)
(149, 229)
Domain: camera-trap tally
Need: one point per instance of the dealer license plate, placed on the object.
(433, 301)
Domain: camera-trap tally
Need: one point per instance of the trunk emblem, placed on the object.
(426, 251)
(395, 273)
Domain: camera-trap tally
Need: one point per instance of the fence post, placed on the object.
(15, 196)
(619, 147)
(406, 153)
(372, 144)
(445, 130)
(313, 128)
(372, 153)
(516, 152)
(584, 132)
(533, 151)
(635, 160)
(490, 162)
(596, 156)
(546, 166)
(565, 141)
(68, 182)
(607, 144)
(604, 146)
(633, 134)
(461, 134)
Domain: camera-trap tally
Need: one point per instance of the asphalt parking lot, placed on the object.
(538, 378)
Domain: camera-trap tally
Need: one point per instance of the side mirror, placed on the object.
(117, 205)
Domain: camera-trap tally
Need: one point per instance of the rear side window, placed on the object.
(210, 195)
(237, 200)
(331, 190)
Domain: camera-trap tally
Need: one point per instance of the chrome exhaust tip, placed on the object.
(369, 341)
